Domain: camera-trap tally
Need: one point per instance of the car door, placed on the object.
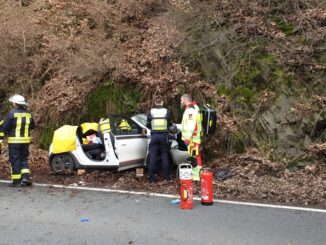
(130, 142)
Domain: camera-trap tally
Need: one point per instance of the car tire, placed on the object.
(62, 163)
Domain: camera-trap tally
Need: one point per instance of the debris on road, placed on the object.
(175, 201)
(84, 219)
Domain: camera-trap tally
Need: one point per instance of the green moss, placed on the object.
(223, 90)
(45, 137)
(111, 98)
(284, 26)
(244, 94)
(246, 76)
(260, 73)
(280, 78)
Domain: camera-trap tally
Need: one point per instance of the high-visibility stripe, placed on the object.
(159, 119)
(19, 140)
(191, 125)
(1, 122)
(28, 120)
(19, 120)
(18, 126)
(16, 176)
(2, 134)
(105, 126)
(22, 114)
(159, 124)
(25, 171)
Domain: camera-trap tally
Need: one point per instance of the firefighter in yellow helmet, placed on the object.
(191, 129)
(124, 125)
(17, 126)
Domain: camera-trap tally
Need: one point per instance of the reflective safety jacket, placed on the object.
(105, 126)
(191, 127)
(124, 125)
(159, 119)
(17, 126)
(1, 130)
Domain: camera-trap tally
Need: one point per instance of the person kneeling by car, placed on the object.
(159, 120)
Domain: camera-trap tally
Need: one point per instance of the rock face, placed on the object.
(251, 50)
(291, 129)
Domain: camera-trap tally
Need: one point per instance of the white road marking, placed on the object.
(175, 196)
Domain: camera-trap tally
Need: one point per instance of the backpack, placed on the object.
(208, 118)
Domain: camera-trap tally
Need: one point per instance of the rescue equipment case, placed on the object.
(208, 118)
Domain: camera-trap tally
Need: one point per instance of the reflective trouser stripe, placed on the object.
(194, 149)
(25, 171)
(16, 176)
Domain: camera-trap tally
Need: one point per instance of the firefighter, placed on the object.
(1, 133)
(159, 120)
(191, 131)
(104, 125)
(17, 127)
(124, 125)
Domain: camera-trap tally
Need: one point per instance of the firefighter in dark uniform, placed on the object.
(17, 127)
(159, 120)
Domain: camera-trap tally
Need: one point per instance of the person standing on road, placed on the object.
(191, 129)
(159, 120)
(17, 126)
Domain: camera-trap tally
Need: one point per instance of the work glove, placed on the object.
(187, 142)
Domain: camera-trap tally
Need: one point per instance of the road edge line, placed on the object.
(175, 196)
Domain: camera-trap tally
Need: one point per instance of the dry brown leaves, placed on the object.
(318, 148)
(251, 177)
(248, 177)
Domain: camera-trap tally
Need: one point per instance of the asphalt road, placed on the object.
(43, 215)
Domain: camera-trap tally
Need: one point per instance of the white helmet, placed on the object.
(18, 99)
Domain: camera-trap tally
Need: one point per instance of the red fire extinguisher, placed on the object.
(206, 187)
(186, 188)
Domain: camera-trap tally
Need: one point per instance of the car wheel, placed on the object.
(62, 163)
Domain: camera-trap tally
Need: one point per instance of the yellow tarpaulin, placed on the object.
(64, 139)
(89, 126)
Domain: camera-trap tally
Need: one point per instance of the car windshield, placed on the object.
(140, 118)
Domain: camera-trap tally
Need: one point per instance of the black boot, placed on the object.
(26, 180)
(16, 183)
